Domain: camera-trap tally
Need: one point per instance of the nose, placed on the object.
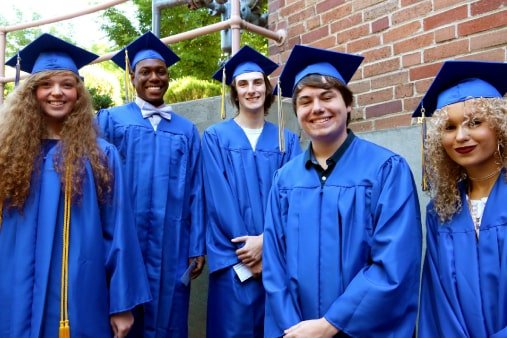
(462, 134)
(153, 76)
(317, 107)
(251, 87)
(56, 89)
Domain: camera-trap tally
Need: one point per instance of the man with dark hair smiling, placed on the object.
(342, 238)
(161, 157)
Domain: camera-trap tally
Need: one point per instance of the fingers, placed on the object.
(115, 328)
(199, 265)
(291, 329)
(239, 239)
(121, 323)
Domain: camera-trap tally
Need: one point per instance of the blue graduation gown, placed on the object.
(237, 180)
(106, 271)
(464, 286)
(348, 250)
(162, 169)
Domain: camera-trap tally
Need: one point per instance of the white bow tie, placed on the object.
(164, 111)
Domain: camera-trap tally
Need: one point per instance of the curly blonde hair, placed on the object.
(443, 173)
(22, 129)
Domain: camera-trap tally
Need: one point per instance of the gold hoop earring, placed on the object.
(498, 153)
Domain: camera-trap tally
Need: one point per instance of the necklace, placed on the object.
(487, 177)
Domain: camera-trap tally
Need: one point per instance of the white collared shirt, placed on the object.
(147, 112)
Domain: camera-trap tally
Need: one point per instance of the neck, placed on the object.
(53, 130)
(250, 120)
(156, 103)
(323, 151)
(325, 148)
(479, 187)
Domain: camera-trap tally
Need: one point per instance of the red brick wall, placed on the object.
(404, 43)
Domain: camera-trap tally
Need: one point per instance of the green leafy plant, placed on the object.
(100, 100)
(189, 88)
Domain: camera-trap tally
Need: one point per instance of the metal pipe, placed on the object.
(279, 36)
(235, 26)
(235, 23)
(61, 17)
(2, 68)
(155, 19)
(156, 6)
(216, 27)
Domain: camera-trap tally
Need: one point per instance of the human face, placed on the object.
(251, 91)
(322, 113)
(151, 80)
(469, 140)
(57, 95)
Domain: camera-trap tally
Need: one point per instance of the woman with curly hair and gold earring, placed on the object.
(70, 262)
(464, 286)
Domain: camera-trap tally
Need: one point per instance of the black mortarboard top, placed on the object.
(147, 46)
(48, 52)
(305, 60)
(458, 81)
(246, 60)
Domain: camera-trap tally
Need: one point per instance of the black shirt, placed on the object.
(311, 161)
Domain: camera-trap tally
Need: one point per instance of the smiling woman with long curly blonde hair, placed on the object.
(69, 256)
(22, 130)
(464, 279)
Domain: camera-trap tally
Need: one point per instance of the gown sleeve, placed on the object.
(105, 124)
(437, 317)
(282, 310)
(294, 148)
(390, 277)
(128, 283)
(197, 228)
(222, 208)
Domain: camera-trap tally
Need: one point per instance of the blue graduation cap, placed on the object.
(147, 46)
(48, 52)
(305, 60)
(246, 60)
(458, 81)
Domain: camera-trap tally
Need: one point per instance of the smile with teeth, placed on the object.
(153, 87)
(321, 120)
(56, 103)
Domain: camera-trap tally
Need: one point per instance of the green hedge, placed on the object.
(189, 88)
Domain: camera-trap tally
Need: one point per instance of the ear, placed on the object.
(132, 76)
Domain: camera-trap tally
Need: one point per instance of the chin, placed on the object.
(156, 100)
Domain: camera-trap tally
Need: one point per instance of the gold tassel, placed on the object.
(64, 330)
(129, 88)
(422, 121)
(224, 87)
(281, 119)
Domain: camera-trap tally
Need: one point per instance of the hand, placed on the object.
(250, 253)
(199, 265)
(121, 323)
(315, 328)
(257, 270)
